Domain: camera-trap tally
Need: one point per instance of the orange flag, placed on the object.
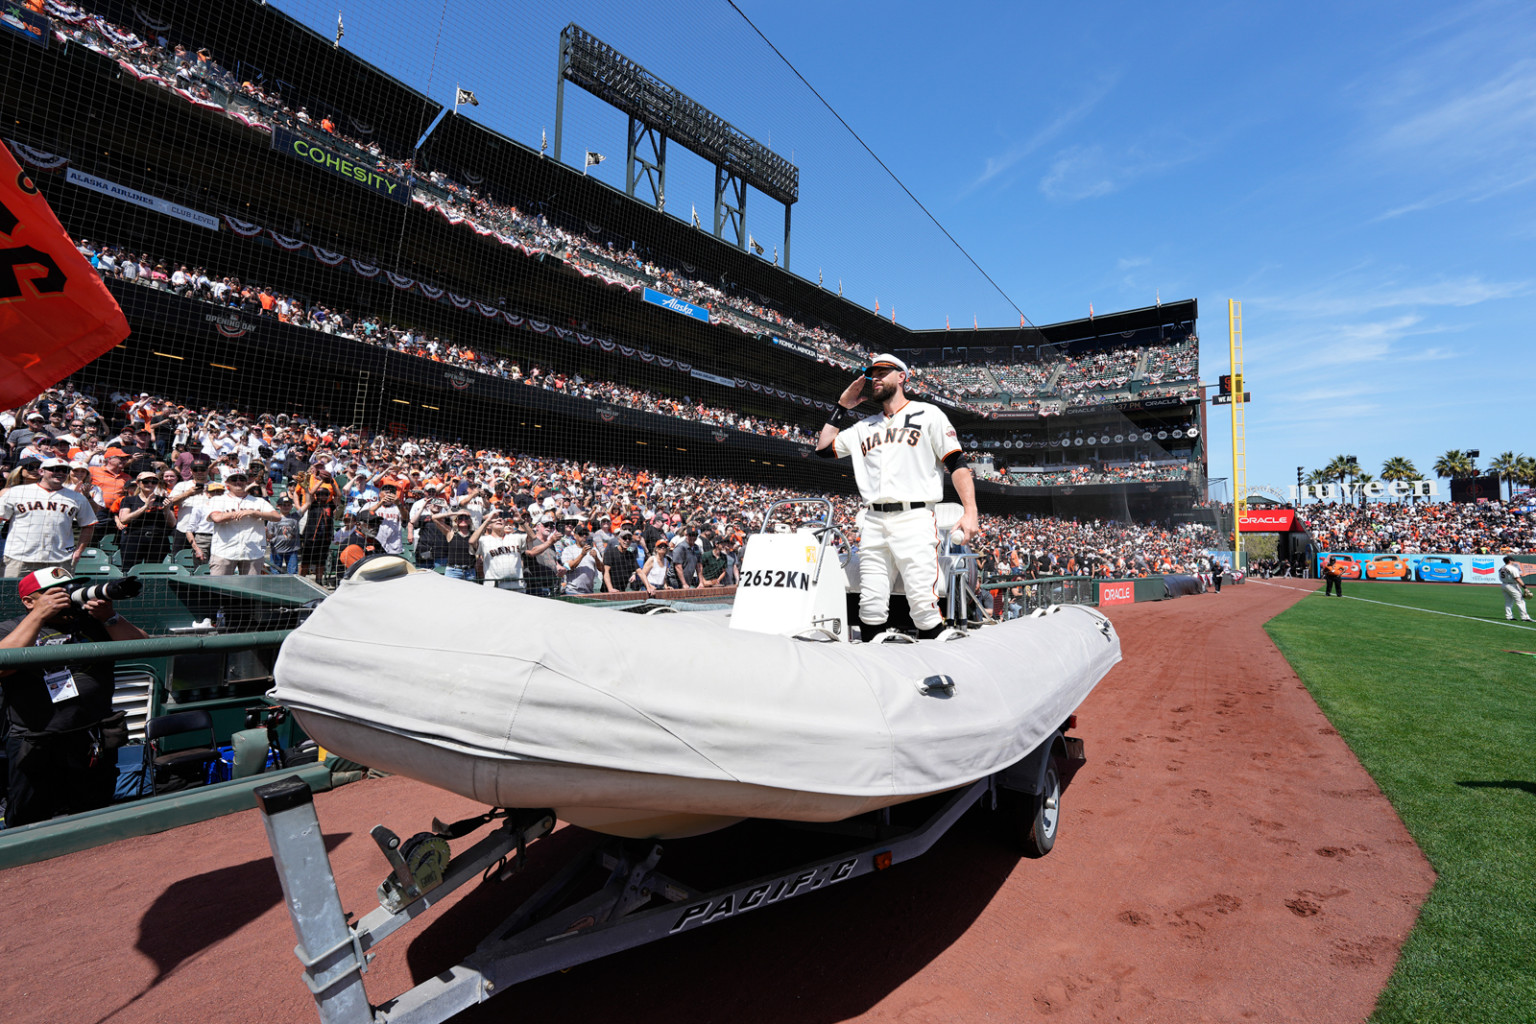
(55, 313)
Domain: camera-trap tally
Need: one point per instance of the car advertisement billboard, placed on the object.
(1426, 568)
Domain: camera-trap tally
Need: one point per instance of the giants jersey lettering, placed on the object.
(43, 522)
(900, 457)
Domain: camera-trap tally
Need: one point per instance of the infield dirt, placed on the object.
(1222, 857)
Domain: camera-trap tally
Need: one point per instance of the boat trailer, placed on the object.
(549, 932)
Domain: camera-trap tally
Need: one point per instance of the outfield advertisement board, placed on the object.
(1117, 592)
(1423, 568)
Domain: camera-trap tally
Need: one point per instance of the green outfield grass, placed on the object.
(1445, 722)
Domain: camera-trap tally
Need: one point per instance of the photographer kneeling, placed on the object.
(60, 762)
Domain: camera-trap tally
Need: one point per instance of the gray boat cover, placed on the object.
(503, 677)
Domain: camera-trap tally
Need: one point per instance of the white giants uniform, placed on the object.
(1514, 590)
(43, 523)
(898, 461)
(502, 558)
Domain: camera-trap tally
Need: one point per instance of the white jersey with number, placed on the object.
(900, 457)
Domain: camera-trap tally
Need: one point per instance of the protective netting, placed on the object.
(389, 315)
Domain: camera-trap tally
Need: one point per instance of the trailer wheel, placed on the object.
(1047, 816)
(1031, 821)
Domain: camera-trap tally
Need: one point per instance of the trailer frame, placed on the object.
(548, 932)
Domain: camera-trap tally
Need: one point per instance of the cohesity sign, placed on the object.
(55, 313)
(386, 185)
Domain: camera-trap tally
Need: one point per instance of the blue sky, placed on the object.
(1362, 177)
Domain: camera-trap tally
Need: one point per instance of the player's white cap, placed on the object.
(886, 359)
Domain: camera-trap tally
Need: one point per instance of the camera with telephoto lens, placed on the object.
(83, 591)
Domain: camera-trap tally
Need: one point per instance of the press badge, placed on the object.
(61, 685)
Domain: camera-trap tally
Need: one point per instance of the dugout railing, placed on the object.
(1026, 595)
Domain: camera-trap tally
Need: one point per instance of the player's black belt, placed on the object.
(897, 506)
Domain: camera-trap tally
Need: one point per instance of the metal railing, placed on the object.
(1026, 595)
(151, 647)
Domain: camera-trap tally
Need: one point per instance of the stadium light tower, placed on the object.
(658, 112)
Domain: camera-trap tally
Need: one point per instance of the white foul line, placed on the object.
(1389, 604)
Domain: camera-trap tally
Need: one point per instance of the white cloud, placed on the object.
(997, 165)
(1458, 116)
(1334, 302)
(1087, 172)
(1488, 118)
(1305, 351)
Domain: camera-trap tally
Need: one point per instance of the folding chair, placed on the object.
(177, 764)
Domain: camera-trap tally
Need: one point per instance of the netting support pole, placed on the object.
(360, 417)
(787, 208)
(560, 70)
(654, 171)
(726, 214)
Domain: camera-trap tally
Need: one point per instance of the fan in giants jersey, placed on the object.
(899, 457)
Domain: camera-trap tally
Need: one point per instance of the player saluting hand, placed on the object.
(899, 456)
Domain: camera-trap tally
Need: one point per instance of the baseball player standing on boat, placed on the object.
(899, 457)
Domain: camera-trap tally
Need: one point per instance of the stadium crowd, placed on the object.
(464, 508)
(1408, 527)
(1093, 379)
(1102, 473)
(336, 487)
(258, 300)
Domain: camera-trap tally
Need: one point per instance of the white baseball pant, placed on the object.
(1514, 597)
(908, 543)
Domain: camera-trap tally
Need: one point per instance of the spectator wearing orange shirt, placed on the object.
(112, 478)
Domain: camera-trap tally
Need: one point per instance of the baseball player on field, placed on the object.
(899, 457)
(1514, 589)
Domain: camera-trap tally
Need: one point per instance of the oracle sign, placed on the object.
(1117, 593)
(1274, 520)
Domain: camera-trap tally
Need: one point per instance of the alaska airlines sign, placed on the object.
(676, 305)
(298, 146)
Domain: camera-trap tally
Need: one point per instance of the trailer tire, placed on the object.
(1046, 820)
(1031, 821)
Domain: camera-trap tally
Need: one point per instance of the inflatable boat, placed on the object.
(673, 725)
